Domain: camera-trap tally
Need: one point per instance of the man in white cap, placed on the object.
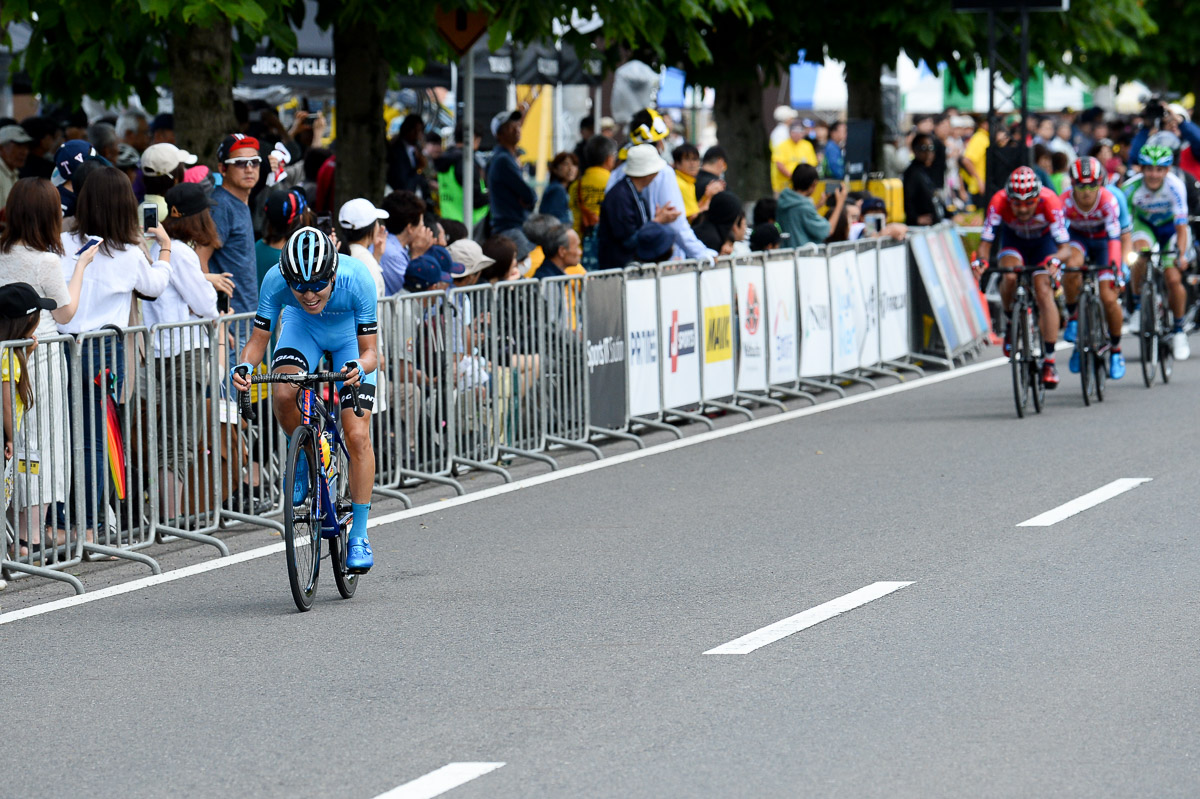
(360, 223)
(784, 114)
(14, 149)
(627, 207)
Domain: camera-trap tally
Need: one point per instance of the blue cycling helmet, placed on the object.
(1155, 155)
(308, 256)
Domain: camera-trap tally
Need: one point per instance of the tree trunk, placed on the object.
(361, 133)
(201, 65)
(865, 101)
(738, 112)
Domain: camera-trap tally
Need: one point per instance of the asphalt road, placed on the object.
(560, 629)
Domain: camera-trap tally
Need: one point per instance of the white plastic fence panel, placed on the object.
(893, 303)
(816, 331)
(716, 298)
(752, 328)
(868, 281)
(641, 319)
(680, 364)
(848, 313)
(784, 362)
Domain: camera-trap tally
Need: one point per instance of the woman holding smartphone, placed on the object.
(108, 210)
(31, 250)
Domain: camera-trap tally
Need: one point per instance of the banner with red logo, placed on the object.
(783, 361)
(752, 336)
(680, 362)
(816, 330)
(868, 283)
(716, 299)
(641, 315)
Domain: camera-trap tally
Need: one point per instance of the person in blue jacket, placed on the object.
(626, 208)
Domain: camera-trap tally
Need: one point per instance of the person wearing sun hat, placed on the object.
(626, 209)
(361, 226)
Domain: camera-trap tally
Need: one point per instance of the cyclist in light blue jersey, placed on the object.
(1158, 201)
(325, 302)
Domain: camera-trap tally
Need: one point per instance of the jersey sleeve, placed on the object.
(366, 321)
(1178, 194)
(993, 217)
(1054, 214)
(270, 300)
(1112, 214)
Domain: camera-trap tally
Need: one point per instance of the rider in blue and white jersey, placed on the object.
(325, 302)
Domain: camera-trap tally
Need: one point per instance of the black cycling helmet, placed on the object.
(309, 256)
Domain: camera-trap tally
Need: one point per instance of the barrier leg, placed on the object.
(875, 370)
(937, 359)
(537, 456)
(762, 399)
(484, 467)
(729, 406)
(436, 478)
(621, 434)
(822, 385)
(37, 571)
(794, 394)
(907, 367)
(657, 425)
(394, 494)
(694, 417)
(866, 381)
(562, 442)
(107, 552)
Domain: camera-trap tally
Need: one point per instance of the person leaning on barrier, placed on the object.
(31, 252)
(107, 210)
(625, 209)
(179, 369)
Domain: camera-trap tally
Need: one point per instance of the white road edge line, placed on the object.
(1088, 500)
(436, 783)
(529, 482)
(802, 621)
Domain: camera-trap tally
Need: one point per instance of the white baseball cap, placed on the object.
(359, 214)
(643, 160)
(161, 159)
(468, 253)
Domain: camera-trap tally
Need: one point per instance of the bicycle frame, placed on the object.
(314, 413)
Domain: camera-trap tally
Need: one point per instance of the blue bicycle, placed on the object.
(325, 511)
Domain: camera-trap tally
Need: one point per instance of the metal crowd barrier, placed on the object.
(470, 378)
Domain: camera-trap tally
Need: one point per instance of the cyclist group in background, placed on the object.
(1097, 224)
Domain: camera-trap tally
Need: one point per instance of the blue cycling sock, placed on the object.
(1178, 326)
(361, 512)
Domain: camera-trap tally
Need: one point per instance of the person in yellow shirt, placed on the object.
(586, 194)
(973, 163)
(789, 154)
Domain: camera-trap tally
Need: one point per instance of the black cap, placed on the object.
(20, 299)
(765, 235)
(187, 199)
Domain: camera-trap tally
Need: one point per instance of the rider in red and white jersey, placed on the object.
(1029, 221)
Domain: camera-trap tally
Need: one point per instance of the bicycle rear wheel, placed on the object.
(1020, 369)
(1166, 353)
(1083, 342)
(1034, 333)
(302, 523)
(1148, 336)
(338, 549)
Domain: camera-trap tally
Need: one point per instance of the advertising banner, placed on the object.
(716, 300)
(816, 333)
(849, 316)
(956, 303)
(933, 287)
(752, 328)
(641, 314)
(783, 363)
(606, 378)
(962, 262)
(893, 302)
(868, 281)
(680, 362)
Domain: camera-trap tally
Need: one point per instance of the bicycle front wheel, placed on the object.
(1097, 323)
(1148, 335)
(1084, 343)
(1018, 341)
(1166, 353)
(338, 546)
(302, 521)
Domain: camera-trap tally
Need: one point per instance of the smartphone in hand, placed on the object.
(149, 216)
(91, 242)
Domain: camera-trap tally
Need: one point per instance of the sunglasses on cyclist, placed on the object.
(244, 163)
(302, 288)
(1025, 203)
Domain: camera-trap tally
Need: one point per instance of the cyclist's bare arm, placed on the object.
(253, 353)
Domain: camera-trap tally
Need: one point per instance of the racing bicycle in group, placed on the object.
(325, 511)
(1092, 339)
(1156, 322)
(1028, 349)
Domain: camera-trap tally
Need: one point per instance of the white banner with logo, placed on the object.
(716, 300)
(783, 363)
(893, 303)
(641, 318)
(849, 316)
(752, 328)
(816, 334)
(680, 362)
(868, 281)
